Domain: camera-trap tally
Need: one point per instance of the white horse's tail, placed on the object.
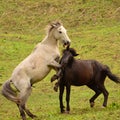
(9, 93)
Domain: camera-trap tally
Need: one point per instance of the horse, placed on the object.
(35, 67)
(78, 72)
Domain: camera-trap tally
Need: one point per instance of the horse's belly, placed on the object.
(79, 83)
(39, 74)
(79, 77)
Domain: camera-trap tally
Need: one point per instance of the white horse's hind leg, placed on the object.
(22, 113)
(23, 96)
(29, 113)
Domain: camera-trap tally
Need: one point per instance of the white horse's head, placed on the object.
(60, 33)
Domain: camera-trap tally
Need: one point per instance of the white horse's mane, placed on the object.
(52, 25)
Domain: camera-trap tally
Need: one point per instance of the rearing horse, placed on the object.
(35, 67)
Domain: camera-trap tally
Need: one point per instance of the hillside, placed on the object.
(94, 29)
(31, 16)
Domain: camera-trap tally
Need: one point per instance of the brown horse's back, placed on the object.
(80, 72)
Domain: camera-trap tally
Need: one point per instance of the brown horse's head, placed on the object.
(68, 56)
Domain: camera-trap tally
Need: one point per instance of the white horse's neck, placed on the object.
(50, 40)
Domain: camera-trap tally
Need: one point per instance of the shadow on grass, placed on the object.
(85, 110)
(78, 111)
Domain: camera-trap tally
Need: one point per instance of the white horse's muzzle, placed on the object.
(66, 43)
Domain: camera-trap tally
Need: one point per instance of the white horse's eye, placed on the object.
(60, 31)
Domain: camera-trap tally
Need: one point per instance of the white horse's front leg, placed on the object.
(54, 65)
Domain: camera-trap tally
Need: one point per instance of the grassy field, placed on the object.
(94, 29)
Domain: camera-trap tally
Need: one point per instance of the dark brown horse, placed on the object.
(82, 72)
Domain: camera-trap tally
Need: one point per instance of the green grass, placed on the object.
(93, 27)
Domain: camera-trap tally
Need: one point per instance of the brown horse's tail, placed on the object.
(112, 76)
(8, 92)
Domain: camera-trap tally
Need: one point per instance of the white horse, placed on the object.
(35, 67)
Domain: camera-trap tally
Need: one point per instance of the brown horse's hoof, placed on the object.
(54, 77)
(67, 112)
(92, 104)
(103, 106)
(62, 112)
(55, 88)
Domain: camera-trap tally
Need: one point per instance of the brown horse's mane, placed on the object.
(71, 50)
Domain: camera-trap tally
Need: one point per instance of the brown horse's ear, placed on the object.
(73, 51)
(75, 54)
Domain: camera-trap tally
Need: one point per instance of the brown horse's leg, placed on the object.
(59, 77)
(54, 77)
(97, 93)
(68, 98)
(61, 98)
(105, 93)
(101, 86)
(56, 86)
(100, 78)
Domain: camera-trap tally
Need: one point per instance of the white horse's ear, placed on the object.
(55, 24)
